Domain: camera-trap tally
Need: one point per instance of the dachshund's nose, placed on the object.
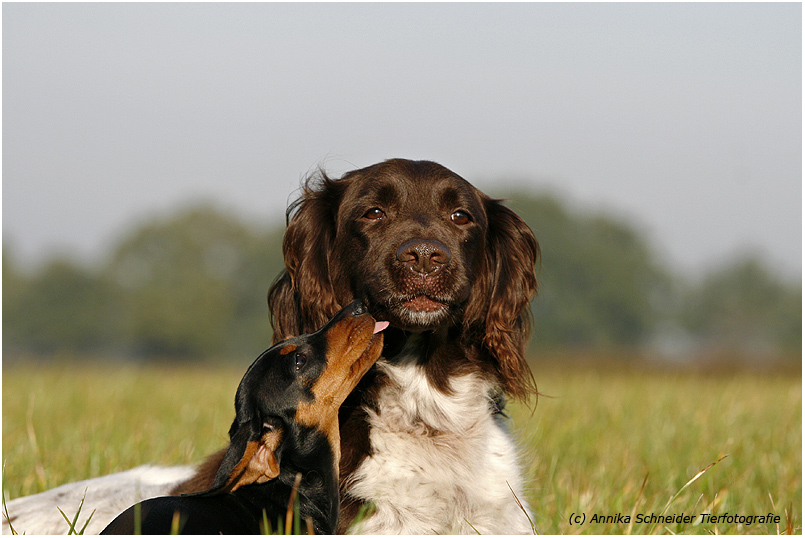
(424, 256)
(352, 310)
(357, 308)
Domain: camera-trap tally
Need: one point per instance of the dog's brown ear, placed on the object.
(250, 459)
(513, 254)
(302, 298)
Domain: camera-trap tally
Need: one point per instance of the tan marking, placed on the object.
(287, 349)
(352, 348)
(259, 462)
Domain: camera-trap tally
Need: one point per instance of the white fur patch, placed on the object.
(440, 463)
(108, 495)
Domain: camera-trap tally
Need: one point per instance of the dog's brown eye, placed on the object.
(300, 361)
(374, 214)
(460, 218)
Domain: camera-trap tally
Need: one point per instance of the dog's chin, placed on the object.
(419, 314)
(423, 304)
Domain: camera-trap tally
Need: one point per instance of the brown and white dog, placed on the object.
(453, 271)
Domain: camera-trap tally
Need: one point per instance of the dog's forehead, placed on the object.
(266, 368)
(266, 384)
(424, 181)
(269, 363)
(274, 364)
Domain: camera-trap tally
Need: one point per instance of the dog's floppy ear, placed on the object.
(302, 298)
(513, 253)
(251, 457)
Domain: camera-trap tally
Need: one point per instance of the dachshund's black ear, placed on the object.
(250, 459)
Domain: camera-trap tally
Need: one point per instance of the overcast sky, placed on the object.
(684, 118)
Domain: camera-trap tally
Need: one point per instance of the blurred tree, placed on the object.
(262, 262)
(744, 307)
(598, 278)
(14, 286)
(192, 282)
(14, 282)
(63, 308)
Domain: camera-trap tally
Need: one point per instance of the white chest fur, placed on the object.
(440, 463)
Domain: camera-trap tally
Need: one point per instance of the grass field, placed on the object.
(597, 446)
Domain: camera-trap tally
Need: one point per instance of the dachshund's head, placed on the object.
(288, 400)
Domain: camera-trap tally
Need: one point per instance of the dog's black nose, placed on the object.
(356, 308)
(353, 309)
(424, 256)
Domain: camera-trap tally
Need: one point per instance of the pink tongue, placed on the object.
(380, 325)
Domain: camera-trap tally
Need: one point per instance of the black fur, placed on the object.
(267, 401)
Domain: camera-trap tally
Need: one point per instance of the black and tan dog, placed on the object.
(286, 423)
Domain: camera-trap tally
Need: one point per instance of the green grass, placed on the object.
(72, 421)
(597, 444)
(627, 443)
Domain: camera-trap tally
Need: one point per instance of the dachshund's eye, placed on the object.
(374, 214)
(460, 218)
(301, 360)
